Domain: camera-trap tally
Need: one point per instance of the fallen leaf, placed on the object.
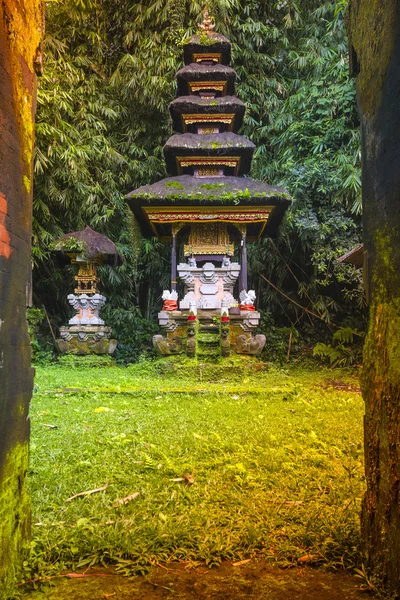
(293, 502)
(101, 409)
(50, 426)
(241, 562)
(188, 478)
(87, 493)
(308, 558)
(178, 479)
(125, 500)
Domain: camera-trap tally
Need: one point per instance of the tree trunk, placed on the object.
(375, 59)
(20, 34)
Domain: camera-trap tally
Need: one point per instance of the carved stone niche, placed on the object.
(87, 309)
(208, 285)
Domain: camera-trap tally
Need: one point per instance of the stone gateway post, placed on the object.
(375, 60)
(21, 30)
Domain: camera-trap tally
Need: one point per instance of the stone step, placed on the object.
(211, 327)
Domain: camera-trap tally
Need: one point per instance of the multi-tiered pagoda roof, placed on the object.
(207, 160)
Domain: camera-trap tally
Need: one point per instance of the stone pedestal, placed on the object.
(208, 336)
(87, 332)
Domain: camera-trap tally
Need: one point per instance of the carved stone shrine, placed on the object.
(86, 332)
(208, 209)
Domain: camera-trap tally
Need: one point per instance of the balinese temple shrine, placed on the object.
(86, 332)
(208, 209)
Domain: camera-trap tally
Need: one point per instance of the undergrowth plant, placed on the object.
(345, 350)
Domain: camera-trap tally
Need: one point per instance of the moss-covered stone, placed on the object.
(14, 516)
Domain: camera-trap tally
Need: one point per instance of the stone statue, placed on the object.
(250, 345)
(167, 346)
(170, 300)
(247, 300)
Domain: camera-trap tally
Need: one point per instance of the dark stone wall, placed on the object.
(375, 57)
(20, 35)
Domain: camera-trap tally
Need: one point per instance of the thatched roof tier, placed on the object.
(90, 244)
(193, 105)
(218, 145)
(354, 257)
(221, 193)
(188, 77)
(213, 43)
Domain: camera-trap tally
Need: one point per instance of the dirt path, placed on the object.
(256, 581)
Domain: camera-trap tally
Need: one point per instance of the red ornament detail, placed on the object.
(248, 307)
(170, 305)
(225, 319)
(191, 318)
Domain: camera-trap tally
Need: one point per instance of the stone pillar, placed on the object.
(20, 59)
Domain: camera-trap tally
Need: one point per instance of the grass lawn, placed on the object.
(271, 463)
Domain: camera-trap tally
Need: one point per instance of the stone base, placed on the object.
(86, 339)
(207, 336)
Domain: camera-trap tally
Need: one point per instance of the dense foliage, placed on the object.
(103, 118)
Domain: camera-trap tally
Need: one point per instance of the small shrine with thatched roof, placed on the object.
(86, 332)
(208, 209)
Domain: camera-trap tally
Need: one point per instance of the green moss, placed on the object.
(174, 184)
(15, 517)
(212, 186)
(373, 28)
(70, 244)
(234, 197)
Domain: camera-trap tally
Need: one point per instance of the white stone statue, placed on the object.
(193, 306)
(167, 295)
(247, 298)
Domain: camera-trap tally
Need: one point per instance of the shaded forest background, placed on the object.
(102, 121)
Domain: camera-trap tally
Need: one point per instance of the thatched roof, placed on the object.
(187, 190)
(210, 144)
(198, 72)
(90, 244)
(206, 106)
(354, 257)
(215, 43)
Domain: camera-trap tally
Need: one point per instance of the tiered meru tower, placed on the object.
(208, 209)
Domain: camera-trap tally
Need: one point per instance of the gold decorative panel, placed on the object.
(209, 238)
(86, 279)
(209, 172)
(209, 57)
(208, 161)
(197, 86)
(189, 119)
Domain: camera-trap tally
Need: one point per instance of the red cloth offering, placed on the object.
(225, 319)
(170, 305)
(191, 318)
(248, 307)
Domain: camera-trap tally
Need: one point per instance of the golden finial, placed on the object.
(208, 24)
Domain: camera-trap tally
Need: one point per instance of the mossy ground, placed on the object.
(275, 456)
